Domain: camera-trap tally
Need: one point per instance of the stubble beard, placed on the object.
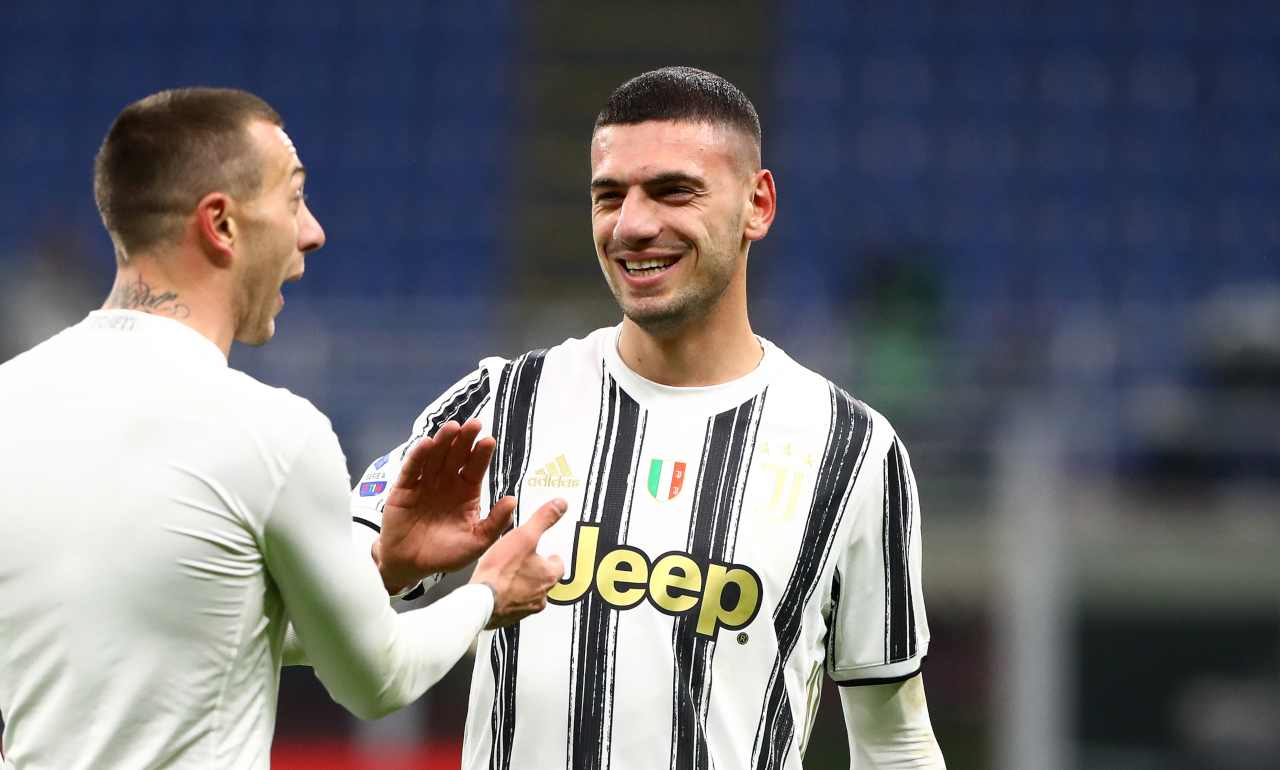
(689, 305)
(254, 304)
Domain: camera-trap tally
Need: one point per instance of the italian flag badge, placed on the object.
(666, 479)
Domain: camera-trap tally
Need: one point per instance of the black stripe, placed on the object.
(608, 504)
(514, 404)
(834, 625)
(842, 458)
(367, 523)
(502, 717)
(463, 403)
(883, 679)
(900, 625)
(595, 472)
(713, 531)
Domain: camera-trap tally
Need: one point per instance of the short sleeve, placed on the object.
(877, 630)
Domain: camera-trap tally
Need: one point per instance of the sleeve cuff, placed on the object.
(894, 672)
(483, 596)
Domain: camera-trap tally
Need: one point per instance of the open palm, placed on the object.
(431, 522)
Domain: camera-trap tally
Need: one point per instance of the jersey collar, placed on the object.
(704, 399)
(167, 331)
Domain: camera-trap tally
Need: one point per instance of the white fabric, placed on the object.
(783, 448)
(163, 517)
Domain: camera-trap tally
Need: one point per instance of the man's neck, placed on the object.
(143, 286)
(703, 353)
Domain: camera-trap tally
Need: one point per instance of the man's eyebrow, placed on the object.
(299, 169)
(665, 178)
(675, 177)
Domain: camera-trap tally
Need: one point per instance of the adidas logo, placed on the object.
(554, 475)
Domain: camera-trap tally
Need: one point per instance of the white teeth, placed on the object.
(647, 264)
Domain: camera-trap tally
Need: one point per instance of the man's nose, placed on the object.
(310, 234)
(638, 220)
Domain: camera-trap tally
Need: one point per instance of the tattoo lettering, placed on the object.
(138, 295)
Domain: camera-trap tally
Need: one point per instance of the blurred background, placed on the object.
(1042, 237)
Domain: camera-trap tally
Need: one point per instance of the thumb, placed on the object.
(499, 518)
(543, 518)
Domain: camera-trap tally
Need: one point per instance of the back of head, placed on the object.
(683, 94)
(168, 150)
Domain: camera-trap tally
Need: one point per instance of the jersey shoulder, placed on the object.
(275, 411)
(588, 351)
(497, 377)
(819, 394)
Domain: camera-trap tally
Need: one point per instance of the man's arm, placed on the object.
(371, 660)
(889, 727)
(878, 634)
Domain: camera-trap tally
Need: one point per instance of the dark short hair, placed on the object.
(167, 151)
(680, 94)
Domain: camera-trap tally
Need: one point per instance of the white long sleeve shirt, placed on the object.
(162, 518)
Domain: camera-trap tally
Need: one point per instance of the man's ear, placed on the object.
(216, 227)
(764, 205)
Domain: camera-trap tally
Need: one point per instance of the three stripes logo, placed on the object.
(666, 479)
(554, 475)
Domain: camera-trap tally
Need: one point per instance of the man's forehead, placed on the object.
(288, 143)
(277, 147)
(661, 143)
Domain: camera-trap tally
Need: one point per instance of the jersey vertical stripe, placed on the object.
(900, 618)
(713, 531)
(607, 503)
(514, 405)
(706, 528)
(847, 441)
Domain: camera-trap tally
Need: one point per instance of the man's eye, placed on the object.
(605, 197)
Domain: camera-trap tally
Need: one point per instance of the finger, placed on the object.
(411, 468)
(543, 518)
(478, 462)
(435, 460)
(498, 519)
(556, 565)
(461, 449)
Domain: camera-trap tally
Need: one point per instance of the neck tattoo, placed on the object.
(138, 295)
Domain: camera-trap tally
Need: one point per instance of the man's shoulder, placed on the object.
(820, 395)
(588, 348)
(270, 406)
(574, 352)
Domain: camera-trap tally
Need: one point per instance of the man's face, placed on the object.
(669, 201)
(277, 229)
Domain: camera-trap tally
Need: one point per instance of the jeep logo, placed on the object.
(722, 595)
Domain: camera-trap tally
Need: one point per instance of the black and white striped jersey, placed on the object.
(724, 545)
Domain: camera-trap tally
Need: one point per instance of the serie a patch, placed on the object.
(371, 488)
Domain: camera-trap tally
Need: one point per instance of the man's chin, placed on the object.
(659, 321)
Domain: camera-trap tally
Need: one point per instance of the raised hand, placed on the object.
(519, 577)
(431, 521)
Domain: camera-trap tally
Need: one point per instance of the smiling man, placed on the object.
(738, 524)
(165, 517)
